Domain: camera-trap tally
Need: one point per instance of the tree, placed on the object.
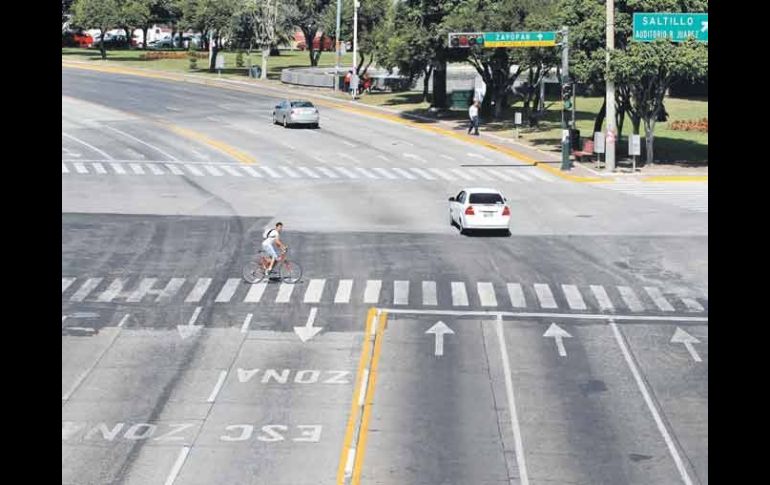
(98, 14)
(66, 7)
(307, 16)
(647, 70)
(268, 21)
(133, 14)
(214, 16)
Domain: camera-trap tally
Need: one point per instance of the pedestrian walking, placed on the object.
(473, 113)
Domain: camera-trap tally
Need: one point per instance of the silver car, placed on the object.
(296, 112)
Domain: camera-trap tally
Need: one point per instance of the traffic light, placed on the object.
(566, 95)
(466, 40)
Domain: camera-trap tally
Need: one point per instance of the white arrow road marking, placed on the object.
(190, 329)
(682, 337)
(439, 329)
(559, 334)
(308, 331)
(704, 26)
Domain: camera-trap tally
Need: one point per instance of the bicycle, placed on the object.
(288, 271)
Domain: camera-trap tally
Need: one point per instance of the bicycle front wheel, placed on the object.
(253, 272)
(290, 272)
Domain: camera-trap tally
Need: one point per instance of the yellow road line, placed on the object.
(223, 147)
(363, 363)
(363, 432)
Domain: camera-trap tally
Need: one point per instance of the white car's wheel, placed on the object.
(285, 124)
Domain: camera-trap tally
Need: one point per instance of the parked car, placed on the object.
(112, 41)
(296, 112)
(76, 39)
(479, 208)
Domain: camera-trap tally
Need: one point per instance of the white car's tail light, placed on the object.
(469, 211)
(506, 211)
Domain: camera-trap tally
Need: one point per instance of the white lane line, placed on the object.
(574, 298)
(344, 289)
(75, 385)
(316, 157)
(344, 171)
(441, 173)
(383, 157)
(407, 143)
(155, 170)
(291, 173)
(364, 385)
(212, 170)
(195, 315)
(366, 173)
(284, 293)
(350, 460)
(255, 292)
(64, 168)
(193, 170)
(173, 169)
(231, 170)
(246, 322)
(521, 175)
(570, 316)
(314, 290)
(486, 294)
(499, 174)
(252, 172)
(515, 426)
(80, 167)
(414, 157)
(88, 287)
(479, 156)
(544, 296)
(308, 172)
(692, 304)
(174, 285)
(99, 168)
(100, 152)
(385, 173)
(401, 292)
(372, 291)
(631, 300)
(403, 173)
(535, 172)
(349, 157)
(65, 283)
(429, 296)
(118, 168)
(448, 157)
(480, 174)
(516, 294)
(659, 299)
(124, 319)
(650, 404)
(459, 294)
(270, 171)
(422, 173)
(113, 290)
(461, 173)
(217, 387)
(228, 290)
(200, 288)
(128, 135)
(348, 143)
(138, 170)
(177, 465)
(605, 304)
(327, 172)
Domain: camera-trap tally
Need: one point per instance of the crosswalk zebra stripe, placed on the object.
(231, 170)
(429, 296)
(366, 173)
(255, 292)
(692, 304)
(118, 168)
(344, 289)
(270, 171)
(422, 173)
(516, 293)
(401, 292)
(173, 169)
(99, 168)
(384, 173)
(284, 293)
(155, 170)
(499, 174)
(602, 298)
(631, 300)
(544, 296)
(136, 168)
(193, 170)
(80, 167)
(200, 288)
(66, 282)
(228, 290)
(212, 170)
(403, 173)
(486, 293)
(535, 172)
(252, 172)
(480, 174)
(574, 298)
(291, 173)
(372, 291)
(459, 294)
(112, 291)
(145, 286)
(519, 173)
(308, 172)
(87, 287)
(344, 171)
(328, 172)
(461, 173)
(173, 285)
(658, 298)
(314, 290)
(441, 173)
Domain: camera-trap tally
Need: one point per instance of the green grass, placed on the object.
(132, 58)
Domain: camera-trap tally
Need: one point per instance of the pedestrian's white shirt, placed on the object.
(473, 111)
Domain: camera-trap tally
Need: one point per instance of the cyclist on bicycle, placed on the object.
(271, 242)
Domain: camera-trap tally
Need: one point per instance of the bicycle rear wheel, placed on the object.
(290, 272)
(253, 272)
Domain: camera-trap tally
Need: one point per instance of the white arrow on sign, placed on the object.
(704, 26)
(190, 329)
(682, 337)
(539, 36)
(558, 334)
(439, 329)
(308, 331)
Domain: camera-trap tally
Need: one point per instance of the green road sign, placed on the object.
(677, 27)
(519, 39)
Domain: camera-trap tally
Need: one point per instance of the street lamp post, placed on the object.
(337, 43)
(354, 88)
(609, 145)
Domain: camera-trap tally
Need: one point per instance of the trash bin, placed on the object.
(461, 99)
(255, 72)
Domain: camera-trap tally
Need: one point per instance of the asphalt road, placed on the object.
(174, 370)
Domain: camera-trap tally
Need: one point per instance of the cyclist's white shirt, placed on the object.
(270, 235)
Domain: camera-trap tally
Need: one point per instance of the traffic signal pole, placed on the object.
(609, 116)
(565, 142)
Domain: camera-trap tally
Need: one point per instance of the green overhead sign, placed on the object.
(677, 27)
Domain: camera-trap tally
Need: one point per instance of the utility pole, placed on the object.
(565, 142)
(354, 78)
(609, 145)
(337, 43)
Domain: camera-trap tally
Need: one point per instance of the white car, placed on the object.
(479, 208)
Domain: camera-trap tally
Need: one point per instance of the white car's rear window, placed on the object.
(486, 199)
